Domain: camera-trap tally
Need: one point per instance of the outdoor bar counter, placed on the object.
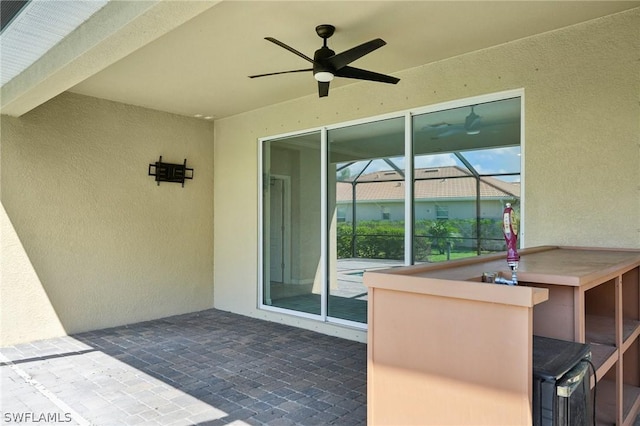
(446, 348)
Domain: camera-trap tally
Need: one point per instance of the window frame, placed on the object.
(408, 184)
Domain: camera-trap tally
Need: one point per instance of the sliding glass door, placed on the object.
(366, 207)
(291, 231)
(425, 185)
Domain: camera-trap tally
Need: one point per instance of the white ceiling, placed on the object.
(37, 28)
(201, 66)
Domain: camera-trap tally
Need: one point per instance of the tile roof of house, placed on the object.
(431, 183)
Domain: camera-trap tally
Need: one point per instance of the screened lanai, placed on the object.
(423, 186)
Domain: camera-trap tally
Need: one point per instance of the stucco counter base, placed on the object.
(445, 351)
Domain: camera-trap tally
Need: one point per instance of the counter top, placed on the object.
(571, 266)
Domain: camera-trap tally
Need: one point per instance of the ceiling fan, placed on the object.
(472, 126)
(327, 64)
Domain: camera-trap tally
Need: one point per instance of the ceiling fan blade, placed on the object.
(323, 89)
(452, 130)
(289, 48)
(342, 59)
(280, 72)
(360, 74)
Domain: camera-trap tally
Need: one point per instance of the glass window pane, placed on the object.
(495, 161)
(366, 210)
(467, 166)
(487, 125)
(291, 218)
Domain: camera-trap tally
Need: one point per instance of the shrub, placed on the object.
(385, 239)
(373, 240)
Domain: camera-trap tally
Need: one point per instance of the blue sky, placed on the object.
(486, 161)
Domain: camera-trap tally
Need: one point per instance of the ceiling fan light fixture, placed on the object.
(323, 76)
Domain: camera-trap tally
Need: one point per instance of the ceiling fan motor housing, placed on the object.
(321, 67)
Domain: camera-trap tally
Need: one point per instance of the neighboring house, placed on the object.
(439, 193)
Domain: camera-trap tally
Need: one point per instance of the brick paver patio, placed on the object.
(207, 368)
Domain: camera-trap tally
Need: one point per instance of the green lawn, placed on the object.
(434, 257)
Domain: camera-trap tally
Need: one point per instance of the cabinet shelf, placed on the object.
(595, 298)
(602, 330)
(631, 332)
(631, 403)
(606, 403)
(603, 358)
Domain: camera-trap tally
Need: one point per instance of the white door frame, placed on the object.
(286, 224)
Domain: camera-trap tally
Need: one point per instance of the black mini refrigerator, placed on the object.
(561, 385)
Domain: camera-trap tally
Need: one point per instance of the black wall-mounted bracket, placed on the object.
(169, 172)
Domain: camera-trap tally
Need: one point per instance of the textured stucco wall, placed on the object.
(26, 312)
(88, 239)
(581, 153)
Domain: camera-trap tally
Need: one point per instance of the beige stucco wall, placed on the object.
(88, 238)
(581, 152)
